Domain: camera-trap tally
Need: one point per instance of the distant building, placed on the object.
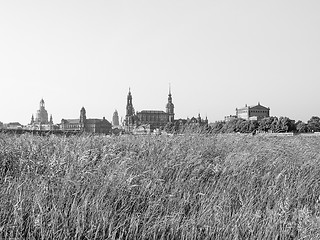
(142, 129)
(230, 118)
(41, 121)
(12, 125)
(86, 125)
(198, 121)
(42, 115)
(155, 119)
(256, 112)
(115, 118)
(194, 121)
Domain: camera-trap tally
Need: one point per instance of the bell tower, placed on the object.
(83, 118)
(129, 110)
(170, 107)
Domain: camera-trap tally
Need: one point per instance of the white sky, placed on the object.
(217, 54)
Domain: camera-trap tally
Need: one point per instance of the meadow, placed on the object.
(194, 186)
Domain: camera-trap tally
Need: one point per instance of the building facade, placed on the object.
(198, 121)
(41, 122)
(13, 126)
(42, 114)
(83, 124)
(155, 119)
(256, 112)
(115, 118)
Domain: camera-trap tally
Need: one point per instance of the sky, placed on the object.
(217, 55)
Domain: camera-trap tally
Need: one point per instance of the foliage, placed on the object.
(314, 124)
(192, 186)
(302, 127)
(269, 124)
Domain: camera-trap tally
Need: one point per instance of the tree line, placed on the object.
(238, 125)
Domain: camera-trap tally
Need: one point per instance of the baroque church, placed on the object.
(150, 119)
(41, 121)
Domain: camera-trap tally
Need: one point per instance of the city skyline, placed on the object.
(217, 56)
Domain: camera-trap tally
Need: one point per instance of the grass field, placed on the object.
(159, 187)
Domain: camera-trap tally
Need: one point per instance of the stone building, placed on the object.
(154, 118)
(194, 121)
(230, 118)
(83, 124)
(41, 121)
(42, 115)
(13, 126)
(256, 112)
(198, 121)
(115, 119)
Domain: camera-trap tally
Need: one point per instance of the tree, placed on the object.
(169, 127)
(314, 124)
(245, 126)
(301, 127)
(285, 124)
(216, 127)
(253, 126)
(268, 124)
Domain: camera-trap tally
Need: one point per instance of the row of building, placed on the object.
(144, 121)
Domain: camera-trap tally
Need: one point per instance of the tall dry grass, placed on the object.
(159, 187)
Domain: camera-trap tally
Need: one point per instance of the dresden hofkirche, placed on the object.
(155, 119)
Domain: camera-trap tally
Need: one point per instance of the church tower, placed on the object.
(170, 107)
(83, 118)
(129, 110)
(42, 114)
(115, 118)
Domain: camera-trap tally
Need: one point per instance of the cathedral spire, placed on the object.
(129, 110)
(170, 107)
(169, 96)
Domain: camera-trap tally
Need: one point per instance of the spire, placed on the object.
(170, 106)
(129, 97)
(129, 108)
(42, 103)
(169, 96)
